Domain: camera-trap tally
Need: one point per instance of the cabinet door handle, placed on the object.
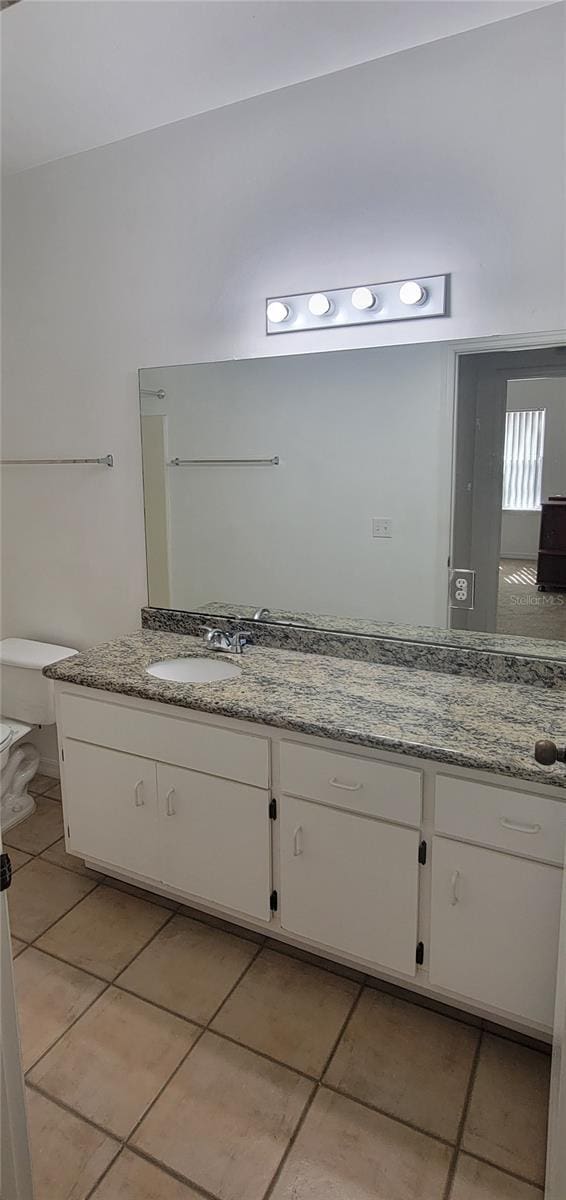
(345, 787)
(454, 890)
(139, 800)
(298, 841)
(169, 804)
(519, 826)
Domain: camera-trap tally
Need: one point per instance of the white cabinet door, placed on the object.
(350, 883)
(215, 839)
(494, 928)
(110, 802)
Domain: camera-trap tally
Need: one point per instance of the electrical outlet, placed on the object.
(381, 527)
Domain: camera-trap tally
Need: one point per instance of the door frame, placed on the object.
(555, 1188)
(499, 344)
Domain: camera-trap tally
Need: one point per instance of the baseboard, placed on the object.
(49, 766)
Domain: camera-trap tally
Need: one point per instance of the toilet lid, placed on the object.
(5, 736)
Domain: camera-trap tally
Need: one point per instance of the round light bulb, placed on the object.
(362, 298)
(277, 311)
(319, 305)
(412, 293)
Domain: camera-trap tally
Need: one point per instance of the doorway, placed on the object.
(509, 510)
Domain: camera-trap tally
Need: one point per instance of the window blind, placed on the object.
(522, 460)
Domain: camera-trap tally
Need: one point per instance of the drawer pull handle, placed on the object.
(139, 800)
(298, 841)
(345, 787)
(169, 804)
(519, 826)
(454, 891)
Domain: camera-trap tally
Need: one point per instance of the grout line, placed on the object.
(306, 1110)
(169, 1171)
(74, 1112)
(61, 915)
(383, 1112)
(108, 983)
(343, 1027)
(463, 1118)
(203, 1030)
(314, 1093)
(105, 1172)
(505, 1171)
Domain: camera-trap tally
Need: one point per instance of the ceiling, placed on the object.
(76, 75)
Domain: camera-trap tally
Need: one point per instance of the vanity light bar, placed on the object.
(369, 303)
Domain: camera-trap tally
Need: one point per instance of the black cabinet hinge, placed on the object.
(422, 853)
(420, 954)
(5, 872)
(273, 901)
(273, 809)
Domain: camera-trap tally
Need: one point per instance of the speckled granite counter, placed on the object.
(452, 719)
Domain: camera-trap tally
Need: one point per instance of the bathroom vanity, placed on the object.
(386, 817)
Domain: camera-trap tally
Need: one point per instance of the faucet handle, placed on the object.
(547, 752)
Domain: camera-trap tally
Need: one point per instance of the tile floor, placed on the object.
(170, 1059)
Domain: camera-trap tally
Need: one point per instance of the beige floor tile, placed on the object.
(408, 1061)
(288, 1009)
(18, 858)
(40, 830)
(477, 1181)
(40, 894)
(17, 947)
(50, 996)
(68, 1156)
(132, 1178)
(507, 1117)
(104, 933)
(58, 855)
(54, 791)
(114, 1060)
(347, 1152)
(225, 1119)
(40, 784)
(188, 968)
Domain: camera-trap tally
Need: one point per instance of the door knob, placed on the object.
(547, 752)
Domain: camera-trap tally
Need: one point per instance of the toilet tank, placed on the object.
(25, 694)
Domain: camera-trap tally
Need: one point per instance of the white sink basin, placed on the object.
(193, 670)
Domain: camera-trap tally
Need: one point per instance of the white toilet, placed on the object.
(27, 700)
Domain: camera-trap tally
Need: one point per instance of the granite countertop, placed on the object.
(452, 719)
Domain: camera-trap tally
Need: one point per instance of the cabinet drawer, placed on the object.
(524, 824)
(169, 739)
(357, 784)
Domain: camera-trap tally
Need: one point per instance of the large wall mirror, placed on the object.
(333, 489)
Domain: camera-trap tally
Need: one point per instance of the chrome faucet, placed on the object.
(217, 639)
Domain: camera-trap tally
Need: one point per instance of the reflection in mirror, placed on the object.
(319, 487)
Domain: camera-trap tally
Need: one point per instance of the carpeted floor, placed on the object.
(523, 610)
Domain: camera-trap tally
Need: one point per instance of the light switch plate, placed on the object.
(382, 527)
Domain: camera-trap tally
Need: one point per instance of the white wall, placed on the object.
(162, 249)
(359, 434)
(520, 530)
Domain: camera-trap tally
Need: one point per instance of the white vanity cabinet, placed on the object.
(350, 883)
(204, 833)
(111, 807)
(444, 881)
(350, 879)
(215, 839)
(494, 929)
(495, 909)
